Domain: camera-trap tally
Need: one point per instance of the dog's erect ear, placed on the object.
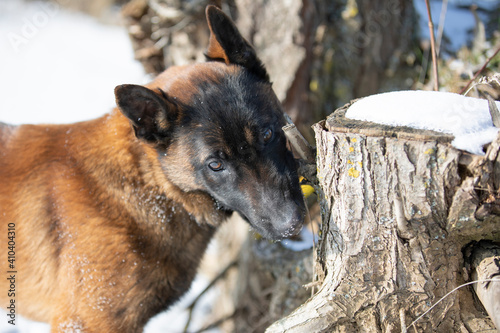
(150, 114)
(227, 44)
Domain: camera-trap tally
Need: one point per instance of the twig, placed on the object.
(298, 142)
(312, 284)
(425, 65)
(218, 322)
(448, 294)
(433, 47)
(480, 71)
(494, 113)
(307, 153)
(402, 318)
(210, 285)
(311, 222)
(442, 17)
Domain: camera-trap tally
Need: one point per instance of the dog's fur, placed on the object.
(113, 215)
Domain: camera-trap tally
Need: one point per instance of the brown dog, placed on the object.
(104, 222)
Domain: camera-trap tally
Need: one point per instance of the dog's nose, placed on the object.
(293, 222)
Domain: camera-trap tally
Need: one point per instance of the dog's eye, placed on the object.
(216, 165)
(267, 135)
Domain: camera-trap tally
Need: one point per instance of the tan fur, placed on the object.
(111, 221)
(74, 211)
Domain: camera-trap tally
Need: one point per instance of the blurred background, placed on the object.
(61, 59)
(320, 53)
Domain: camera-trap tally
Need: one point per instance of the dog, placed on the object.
(104, 222)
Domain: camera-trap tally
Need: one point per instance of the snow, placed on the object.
(58, 66)
(174, 319)
(306, 241)
(467, 118)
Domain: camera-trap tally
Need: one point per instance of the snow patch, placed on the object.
(467, 118)
(306, 241)
(58, 66)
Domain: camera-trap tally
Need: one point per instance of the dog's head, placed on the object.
(217, 129)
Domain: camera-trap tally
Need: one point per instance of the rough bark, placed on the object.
(361, 48)
(384, 34)
(398, 207)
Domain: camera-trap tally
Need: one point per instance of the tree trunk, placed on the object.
(398, 207)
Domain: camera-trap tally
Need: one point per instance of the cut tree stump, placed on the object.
(399, 206)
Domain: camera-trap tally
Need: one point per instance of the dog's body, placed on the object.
(112, 216)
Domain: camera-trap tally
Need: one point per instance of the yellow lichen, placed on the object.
(352, 172)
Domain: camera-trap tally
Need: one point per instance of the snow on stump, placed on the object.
(399, 208)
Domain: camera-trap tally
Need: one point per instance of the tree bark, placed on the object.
(398, 207)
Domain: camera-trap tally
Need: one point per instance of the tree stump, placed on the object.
(398, 208)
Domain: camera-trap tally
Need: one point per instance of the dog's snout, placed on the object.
(294, 224)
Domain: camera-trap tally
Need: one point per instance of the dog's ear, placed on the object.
(226, 44)
(150, 114)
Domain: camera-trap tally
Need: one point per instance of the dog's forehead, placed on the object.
(233, 100)
(232, 116)
(224, 106)
(229, 137)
